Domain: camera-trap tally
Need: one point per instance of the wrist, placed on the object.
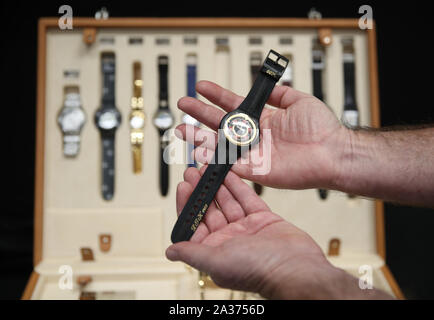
(315, 281)
(322, 282)
(341, 153)
(353, 163)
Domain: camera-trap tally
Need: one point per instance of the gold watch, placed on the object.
(137, 118)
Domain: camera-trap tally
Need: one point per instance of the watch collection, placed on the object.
(72, 117)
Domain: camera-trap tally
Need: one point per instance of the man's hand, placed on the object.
(311, 149)
(306, 137)
(242, 245)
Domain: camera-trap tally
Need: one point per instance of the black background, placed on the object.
(405, 38)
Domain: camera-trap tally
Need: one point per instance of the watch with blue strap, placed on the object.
(191, 92)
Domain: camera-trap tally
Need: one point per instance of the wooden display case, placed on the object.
(70, 214)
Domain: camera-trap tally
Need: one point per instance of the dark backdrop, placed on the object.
(405, 39)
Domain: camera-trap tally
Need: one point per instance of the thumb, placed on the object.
(197, 255)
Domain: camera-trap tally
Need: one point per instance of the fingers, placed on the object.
(199, 256)
(224, 98)
(197, 136)
(206, 114)
(244, 194)
(281, 97)
(231, 209)
(284, 96)
(183, 192)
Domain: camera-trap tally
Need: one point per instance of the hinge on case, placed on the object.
(105, 242)
(334, 246)
(83, 281)
(89, 35)
(86, 254)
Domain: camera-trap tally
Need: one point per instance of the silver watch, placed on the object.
(71, 120)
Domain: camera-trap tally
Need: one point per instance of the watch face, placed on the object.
(108, 120)
(240, 129)
(137, 119)
(72, 120)
(137, 122)
(163, 120)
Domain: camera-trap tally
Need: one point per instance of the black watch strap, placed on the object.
(350, 90)
(350, 115)
(349, 75)
(108, 166)
(200, 200)
(163, 66)
(164, 168)
(317, 74)
(269, 74)
(255, 68)
(205, 191)
(108, 75)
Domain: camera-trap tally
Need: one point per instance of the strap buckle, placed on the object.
(274, 64)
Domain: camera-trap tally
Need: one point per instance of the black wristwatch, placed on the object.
(163, 120)
(255, 68)
(107, 120)
(238, 132)
(318, 65)
(350, 114)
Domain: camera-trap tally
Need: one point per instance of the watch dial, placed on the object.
(108, 120)
(72, 120)
(240, 129)
(137, 122)
(163, 120)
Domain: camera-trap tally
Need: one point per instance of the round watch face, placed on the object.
(163, 120)
(72, 120)
(240, 129)
(108, 120)
(137, 122)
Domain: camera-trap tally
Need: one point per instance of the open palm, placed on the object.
(242, 245)
(306, 137)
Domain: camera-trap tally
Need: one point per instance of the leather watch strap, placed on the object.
(255, 68)
(108, 71)
(350, 115)
(162, 71)
(264, 84)
(163, 66)
(108, 166)
(318, 65)
(164, 168)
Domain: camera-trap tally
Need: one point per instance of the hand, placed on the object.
(306, 137)
(242, 245)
